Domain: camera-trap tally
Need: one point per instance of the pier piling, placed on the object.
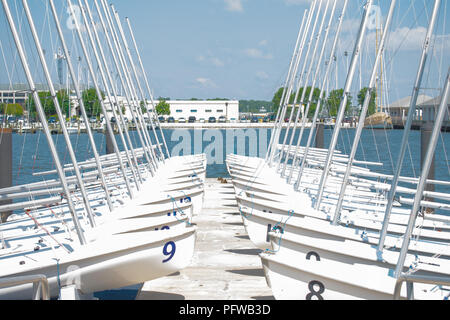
(320, 136)
(109, 144)
(5, 166)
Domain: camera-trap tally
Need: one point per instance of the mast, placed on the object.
(127, 75)
(148, 89)
(103, 59)
(84, 115)
(363, 114)
(299, 86)
(61, 118)
(407, 129)
(133, 68)
(424, 175)
(356, 52)
(146, 152)
(311, 94)
(99, 95)
(108, 93)
(325, 83)
(287, 97)
(294, 54)
(305, 87)
(44, 123)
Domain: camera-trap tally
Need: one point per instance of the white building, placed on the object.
(399, 109)
(430, 107)
(190, 108)
(201, 109)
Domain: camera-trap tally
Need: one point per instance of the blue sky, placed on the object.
(240, 49)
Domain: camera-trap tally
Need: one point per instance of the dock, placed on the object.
(225, 266)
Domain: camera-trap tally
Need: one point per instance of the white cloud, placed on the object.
(263, 43)
(205, 82)
(256, 53)
(217, 62)
(297, 2)
(211, 60)
(261, 75)
(234, 5)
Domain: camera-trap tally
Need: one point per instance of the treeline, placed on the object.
(11, 109)
(254, 106)
(330, 104)
(90, 100)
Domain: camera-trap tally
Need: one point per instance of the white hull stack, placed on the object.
(331, 227)
(126, 219)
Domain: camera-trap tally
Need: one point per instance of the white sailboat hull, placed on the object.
(119, 261)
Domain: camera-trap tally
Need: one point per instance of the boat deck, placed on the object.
(225, 266)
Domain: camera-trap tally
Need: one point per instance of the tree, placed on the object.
(91, 102)
(372, 104)
(12, 109)
(254, 106)
(334, 102)
(47, 103)
(64, 101)
(163, 108)
(314, 100)
(143, 108)
(277, 99)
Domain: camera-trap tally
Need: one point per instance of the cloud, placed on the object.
(263, 43)
(297, 2)
(257, 54)
(407, 39)
(206, 83)
(403, 39)
(211, 60)
(217, 62)
(234, 5)
(261, 75)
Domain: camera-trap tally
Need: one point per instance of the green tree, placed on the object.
(12, 109)
(314, 100)
(372, 104)
(91, 102)
(143, 108)
(163, 108)
(64, 101)
(254, 106)
(47, 103)
(334, 101)
(277, 99)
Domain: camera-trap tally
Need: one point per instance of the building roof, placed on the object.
(405, 102)
(433, 102)
(26, 87)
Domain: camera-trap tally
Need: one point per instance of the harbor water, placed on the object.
(31, 153)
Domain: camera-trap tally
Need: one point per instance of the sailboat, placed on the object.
(120, 223)
(381, 118)
(337, 233)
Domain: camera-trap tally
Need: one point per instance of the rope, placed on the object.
(58, 278)
(45, 230)
(253, 204)
(174, 204)
(281, 229)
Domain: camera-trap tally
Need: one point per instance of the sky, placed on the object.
(241, 49)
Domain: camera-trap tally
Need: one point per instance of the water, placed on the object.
(31, 153)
